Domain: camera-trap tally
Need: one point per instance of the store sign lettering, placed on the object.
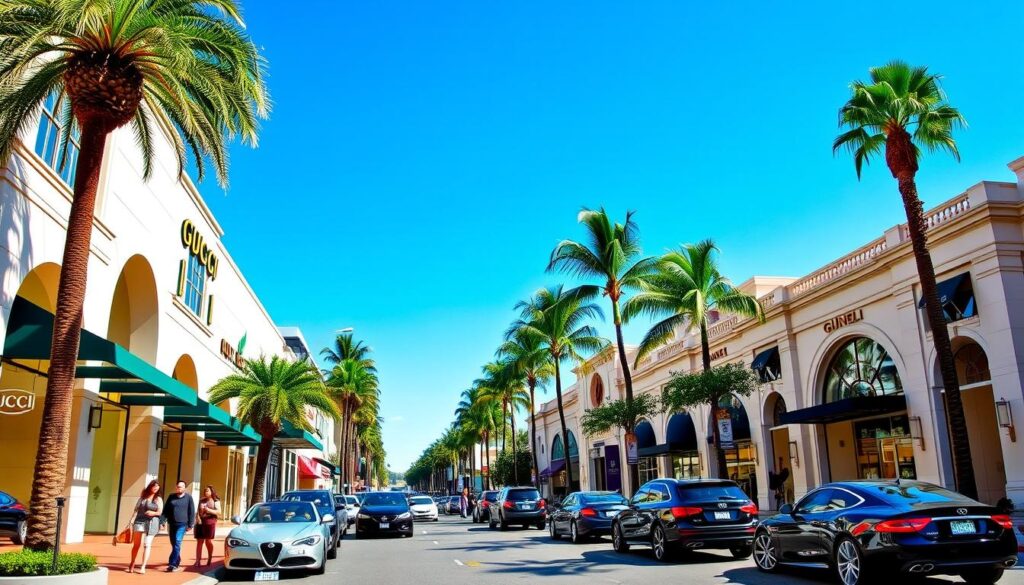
(228, 351)
(843, 320)
(719, 353)
(15, 401)
(196, 244)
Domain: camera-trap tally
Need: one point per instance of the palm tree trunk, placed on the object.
(504, 423)
(634, 469)
(902, 162)
(705, 349)
(565, 433)
(48, 479)
(345, 469)
(487, 455)
(533, 436)
(515, 460)
(705, 353)
(259, 475)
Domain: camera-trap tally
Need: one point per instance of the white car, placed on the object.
(423, 508)
(351, 504)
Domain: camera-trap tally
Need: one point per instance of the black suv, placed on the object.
(677, 514)
(482, 510)
(325, 504)
(518, 505)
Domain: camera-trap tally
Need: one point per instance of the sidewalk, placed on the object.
(116, 558)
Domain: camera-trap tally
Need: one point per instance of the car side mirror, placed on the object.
(786, 509)
(236, 519)
(327, 519)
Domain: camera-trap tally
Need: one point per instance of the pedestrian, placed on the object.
(146, 524)
(180, 512)
(464, 502)
(206, 524)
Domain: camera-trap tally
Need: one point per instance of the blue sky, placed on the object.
(423, 158)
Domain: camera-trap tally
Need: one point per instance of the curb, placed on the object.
(209, 578)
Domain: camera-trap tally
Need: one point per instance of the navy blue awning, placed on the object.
(645, 436)
(655, 450)
(554, 468)
(681, 434)
(846, 409)
(947, 288)
(762, 359)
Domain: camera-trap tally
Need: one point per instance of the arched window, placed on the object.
(778, 409)
(557, 449)
(861, 367)
(972, 364)
(574, 450)
(596, 390)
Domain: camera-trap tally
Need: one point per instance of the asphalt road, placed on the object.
(458, 552)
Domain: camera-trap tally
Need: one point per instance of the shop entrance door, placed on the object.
(986, 449)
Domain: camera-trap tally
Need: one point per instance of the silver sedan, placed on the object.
(278, 536)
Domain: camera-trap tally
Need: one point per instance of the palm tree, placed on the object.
(351, 383)
(271, 393)
(557, 318)
(114, 63)
(688, 287)
(347, 348)
(902, 109)
(613, 256)
(506, 387)
(534, 363)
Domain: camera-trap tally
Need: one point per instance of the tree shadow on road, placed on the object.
(752, 576)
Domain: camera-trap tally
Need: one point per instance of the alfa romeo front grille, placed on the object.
(271, 551)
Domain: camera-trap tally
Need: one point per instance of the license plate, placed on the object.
(609, 514)
(524, 506)
(723, 515)
(962, 527)
(385, 525)
(266, 576)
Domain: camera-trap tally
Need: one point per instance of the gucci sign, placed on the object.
(14, 401)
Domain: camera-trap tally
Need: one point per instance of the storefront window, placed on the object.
(739, 460)
(862, 367)
(885, 449)
(686, 465)
(195, 284)
(647, 469)
(290, 470)
(972, 365)
(49, 136)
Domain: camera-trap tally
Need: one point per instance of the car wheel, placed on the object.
(503, 523)
(332, 552)
(541, 525)
(741, 552)
(660, 544)
(574, 534)
(21, 534)
(618, 540)
(849, 562)
(553, 532)
(986, 576)
(765, 556)
(491, 524)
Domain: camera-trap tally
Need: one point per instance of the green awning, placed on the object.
(291, 437)
(138, 383)
(218, 426)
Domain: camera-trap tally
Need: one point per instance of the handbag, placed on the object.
(124, 537)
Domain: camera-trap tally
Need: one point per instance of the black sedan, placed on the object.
(862, 529)
(674, 515)
(384, 513)
(583, 515)
(13, 517)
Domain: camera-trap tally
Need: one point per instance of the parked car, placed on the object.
(351, 504)
(278, 536)
(384, 513)
(481, 513)
(898, 528)
(423, 508)
(518, 505)
(674, 515)
(583, 515)
(327, 508)
(13, 518)
(451, 505)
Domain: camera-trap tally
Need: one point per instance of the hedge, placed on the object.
(35, 563)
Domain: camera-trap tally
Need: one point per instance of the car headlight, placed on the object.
(404, 515)
(362, 516)
(236, 542)
(308, 541)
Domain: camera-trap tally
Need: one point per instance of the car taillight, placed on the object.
(589, 512)
(681, 512)
(1003, 520)
(750, 508)
(507, 505)
(903, 525)
(484, 503)
(19, 506)
(541, 503)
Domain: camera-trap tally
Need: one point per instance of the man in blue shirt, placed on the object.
(180, 512)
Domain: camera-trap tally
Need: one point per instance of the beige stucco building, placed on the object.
(851, 387)
(167, 314)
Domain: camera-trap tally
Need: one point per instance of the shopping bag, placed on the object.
(124, 537)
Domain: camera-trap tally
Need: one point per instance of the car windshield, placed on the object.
(709, 492)
(918, 493)
(522, 495)
(421, 501)
(383, 500)
(454, 499)
(602, 499)
(352, 500)
(316, 498)
(490, 496)
(275, 512)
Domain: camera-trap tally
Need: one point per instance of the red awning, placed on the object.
(309, 469)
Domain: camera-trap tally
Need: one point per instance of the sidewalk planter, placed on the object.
(97, 577)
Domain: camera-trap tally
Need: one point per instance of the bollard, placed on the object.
(56, 542)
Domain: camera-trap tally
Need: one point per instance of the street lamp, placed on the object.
(345, 330)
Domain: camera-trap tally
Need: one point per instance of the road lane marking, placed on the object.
(459, 563)
(435, 542)
(472, 563)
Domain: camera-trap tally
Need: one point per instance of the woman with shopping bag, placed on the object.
(146, 523)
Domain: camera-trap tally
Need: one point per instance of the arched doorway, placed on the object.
(975, 379)
(19, 433)
(740, 456)
(647, 467)
(778, 465)
(681, 437)
(178, 454)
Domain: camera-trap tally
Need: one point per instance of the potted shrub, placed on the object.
(26, 566)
